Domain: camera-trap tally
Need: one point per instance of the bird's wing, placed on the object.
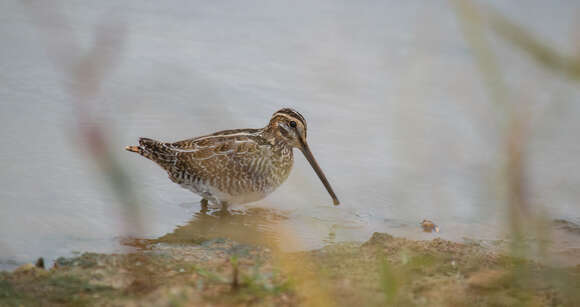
(233, 154)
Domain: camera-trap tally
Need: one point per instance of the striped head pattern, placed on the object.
(290, 126)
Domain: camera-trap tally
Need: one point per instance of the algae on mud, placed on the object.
(382, 271)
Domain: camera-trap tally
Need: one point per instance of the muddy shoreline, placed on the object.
(219, 272)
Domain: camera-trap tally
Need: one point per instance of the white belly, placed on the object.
(218, 197)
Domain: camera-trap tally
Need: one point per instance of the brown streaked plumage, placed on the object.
(235, 166)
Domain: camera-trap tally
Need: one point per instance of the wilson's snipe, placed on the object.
(235, 166)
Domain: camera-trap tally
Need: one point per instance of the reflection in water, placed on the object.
(248, 225)
(330, 238)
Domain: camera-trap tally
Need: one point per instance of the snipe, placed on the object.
(235, 166)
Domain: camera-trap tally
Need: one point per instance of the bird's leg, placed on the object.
(204, 205)
(224, 206)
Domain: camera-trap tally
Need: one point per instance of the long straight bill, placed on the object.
(306, 151)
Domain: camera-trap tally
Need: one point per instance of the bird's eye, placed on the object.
(293, 124)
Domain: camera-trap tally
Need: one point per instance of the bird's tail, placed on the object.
(155, 151)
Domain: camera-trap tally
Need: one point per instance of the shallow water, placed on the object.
(399, 118)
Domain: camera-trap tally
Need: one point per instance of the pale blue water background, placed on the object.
(398, 115)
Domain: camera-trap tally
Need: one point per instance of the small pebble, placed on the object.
(429, 226)
(40, 263)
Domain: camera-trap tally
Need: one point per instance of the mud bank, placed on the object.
(219, 272)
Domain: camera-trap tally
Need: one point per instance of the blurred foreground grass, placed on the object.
(220, 272)
(479, 22)
(382, 271)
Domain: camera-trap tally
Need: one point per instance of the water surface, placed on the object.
(399, 118)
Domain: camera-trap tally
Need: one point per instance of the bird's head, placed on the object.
(289, 127)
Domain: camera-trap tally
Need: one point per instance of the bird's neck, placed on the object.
(273, 136)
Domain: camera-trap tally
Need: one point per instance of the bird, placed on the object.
(235, 166)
